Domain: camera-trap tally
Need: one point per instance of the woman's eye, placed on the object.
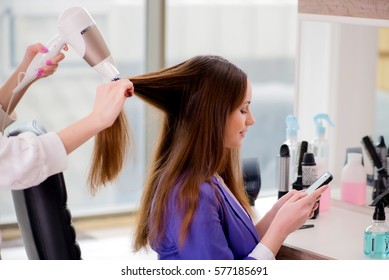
(243, 111)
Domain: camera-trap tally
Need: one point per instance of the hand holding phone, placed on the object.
(323, 180)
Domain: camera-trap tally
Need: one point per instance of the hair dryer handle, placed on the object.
(54, 46)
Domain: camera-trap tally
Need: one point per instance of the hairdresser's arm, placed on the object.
(12, 82)
(109, 102)
(289, 217)
(26, 160)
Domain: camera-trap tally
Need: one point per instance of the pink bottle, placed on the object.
(325, 200)
(353, 187)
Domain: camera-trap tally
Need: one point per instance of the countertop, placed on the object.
(337, 233)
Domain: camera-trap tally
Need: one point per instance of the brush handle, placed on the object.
(372, 152)
(303, 148)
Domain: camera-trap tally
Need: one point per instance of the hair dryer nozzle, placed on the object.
(107, 69)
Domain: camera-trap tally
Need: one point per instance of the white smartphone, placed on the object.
(323, 180)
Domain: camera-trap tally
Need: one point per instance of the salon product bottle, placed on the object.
(309, 173)
(353, 180)
(320, 149)
(292, 142)
(320, 145)
(376, 236)
(309, 169)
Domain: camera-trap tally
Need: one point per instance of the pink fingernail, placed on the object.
(39, 74)
(48, 62)
(40, 70)
(44, 49)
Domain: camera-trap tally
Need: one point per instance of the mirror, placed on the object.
(341, 71)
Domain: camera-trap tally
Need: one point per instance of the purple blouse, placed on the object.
(220, 228)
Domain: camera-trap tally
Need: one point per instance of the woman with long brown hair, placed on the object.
(194, 204)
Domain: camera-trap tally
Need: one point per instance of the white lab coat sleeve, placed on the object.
(6, 120)
(27, 159)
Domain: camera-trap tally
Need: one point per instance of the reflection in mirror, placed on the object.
(343, 71)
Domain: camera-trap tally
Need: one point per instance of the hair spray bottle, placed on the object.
(376, 236)
(309, 173)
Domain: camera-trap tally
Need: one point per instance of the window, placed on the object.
(68, 95)
(259, 37)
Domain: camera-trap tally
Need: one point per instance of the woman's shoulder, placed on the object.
(209, 188)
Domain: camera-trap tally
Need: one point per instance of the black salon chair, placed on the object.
(252, 178)
(43, 217)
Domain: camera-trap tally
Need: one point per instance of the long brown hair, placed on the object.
(196, 97)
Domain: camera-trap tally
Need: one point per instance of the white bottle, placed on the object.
(320, 149)
(353, 180)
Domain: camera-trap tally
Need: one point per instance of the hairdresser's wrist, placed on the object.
(95, 123)
(22, 67)
(18, 76)
(78, 133)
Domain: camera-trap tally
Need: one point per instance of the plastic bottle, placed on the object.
(309, 169)
(320, 149)
(353, 180)
(292, 142)
(309, 172)
(376, 236)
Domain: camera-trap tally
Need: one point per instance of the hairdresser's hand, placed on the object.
(51, 65)
(6, 90)
(109, 101)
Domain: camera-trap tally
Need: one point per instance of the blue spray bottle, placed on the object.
(376, 236)
(320, 146)
(320, 149)
(291, 140)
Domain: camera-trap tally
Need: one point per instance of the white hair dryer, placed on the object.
(77, 29)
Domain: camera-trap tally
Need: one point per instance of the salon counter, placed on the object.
(337, 232)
